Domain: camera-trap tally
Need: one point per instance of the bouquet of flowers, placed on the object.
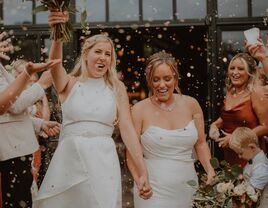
(228, 189)
(61, 31)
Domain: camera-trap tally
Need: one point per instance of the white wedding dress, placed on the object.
(168, 156)
(84, 171)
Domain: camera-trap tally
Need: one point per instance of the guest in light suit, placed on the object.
(17, 138)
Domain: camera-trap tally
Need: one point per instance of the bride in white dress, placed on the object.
(171, 126)
(84, 171)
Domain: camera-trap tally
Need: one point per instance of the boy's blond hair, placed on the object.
(242, 137)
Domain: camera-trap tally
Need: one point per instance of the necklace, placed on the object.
(163, 106)
(234, 92)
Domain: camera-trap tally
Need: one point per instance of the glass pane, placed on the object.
(95, 10)
(157, 10)
(233, 8)
(259, 8)
(41, 17)
(17, 12)
(127, 11)
(191, 9)
(232, 42)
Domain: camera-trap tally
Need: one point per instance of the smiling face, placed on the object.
(98, 59)
(163, 83)
(238, 73)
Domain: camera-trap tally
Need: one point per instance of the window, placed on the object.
(191, 9)
(157, 10)
(259, 8)
(95, 10)
(17, 12)
(232, 8)
(124, 10)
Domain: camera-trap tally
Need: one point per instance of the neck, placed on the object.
(165, 106)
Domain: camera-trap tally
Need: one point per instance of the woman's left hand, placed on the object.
(224, 141)
(210, 176)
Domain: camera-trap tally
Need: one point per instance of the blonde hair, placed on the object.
(80, 70)
(251, 69)
(242, 137)
(157, 59)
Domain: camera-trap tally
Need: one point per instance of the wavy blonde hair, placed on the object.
(154, 61)
(80, 69)
(251, 69)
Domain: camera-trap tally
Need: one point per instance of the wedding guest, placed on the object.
(40, 110)
(244, 142)
(171, 125)
(84, 171)
(242, 106)
(17, 136)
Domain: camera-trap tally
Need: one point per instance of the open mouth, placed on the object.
(100, 66)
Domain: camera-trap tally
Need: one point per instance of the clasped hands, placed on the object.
(144, 188)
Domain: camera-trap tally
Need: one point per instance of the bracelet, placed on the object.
(26, 72)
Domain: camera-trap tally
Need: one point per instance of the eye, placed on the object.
(108, 54)
(155, 79)
(167, 79)
(98, 51)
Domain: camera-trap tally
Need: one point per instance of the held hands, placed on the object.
(145, 190)
(56, 17)
(5, 46)
(50, 128)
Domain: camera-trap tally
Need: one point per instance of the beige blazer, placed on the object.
(17, 128)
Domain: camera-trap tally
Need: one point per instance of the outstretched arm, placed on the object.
(13, 90)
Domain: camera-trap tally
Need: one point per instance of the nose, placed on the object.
(162, 83)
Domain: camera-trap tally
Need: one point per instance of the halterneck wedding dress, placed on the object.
(168, 157)
(84, 171)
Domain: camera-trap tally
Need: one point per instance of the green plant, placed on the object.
(228, 188)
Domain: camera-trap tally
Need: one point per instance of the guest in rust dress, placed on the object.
(242, 106)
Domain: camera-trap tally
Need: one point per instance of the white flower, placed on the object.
(253, 195)
(240, 189)
(224, 187)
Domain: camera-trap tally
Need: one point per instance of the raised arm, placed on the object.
(59, 74)
(260, 52)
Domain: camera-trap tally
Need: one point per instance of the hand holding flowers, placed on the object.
(227, 189)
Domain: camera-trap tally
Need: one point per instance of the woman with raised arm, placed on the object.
(84, 171)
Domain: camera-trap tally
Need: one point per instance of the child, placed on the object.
(244, 142)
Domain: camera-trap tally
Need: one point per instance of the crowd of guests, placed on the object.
(161, 132)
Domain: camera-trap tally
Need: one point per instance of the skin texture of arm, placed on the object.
(201, 146)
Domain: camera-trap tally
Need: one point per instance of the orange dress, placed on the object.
(241, 115)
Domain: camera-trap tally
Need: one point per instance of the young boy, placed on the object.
(245, 143)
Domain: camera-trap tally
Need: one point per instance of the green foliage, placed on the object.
(227, 188)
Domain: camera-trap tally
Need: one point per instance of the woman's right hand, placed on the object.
(145, 190)
(56, 17)
(31, 67)
(214, 132)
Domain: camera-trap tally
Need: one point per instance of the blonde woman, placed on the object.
(84, 171)
(171, 125)
(242, 107)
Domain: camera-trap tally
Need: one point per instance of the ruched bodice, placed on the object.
(168, 158)
(169, 144)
